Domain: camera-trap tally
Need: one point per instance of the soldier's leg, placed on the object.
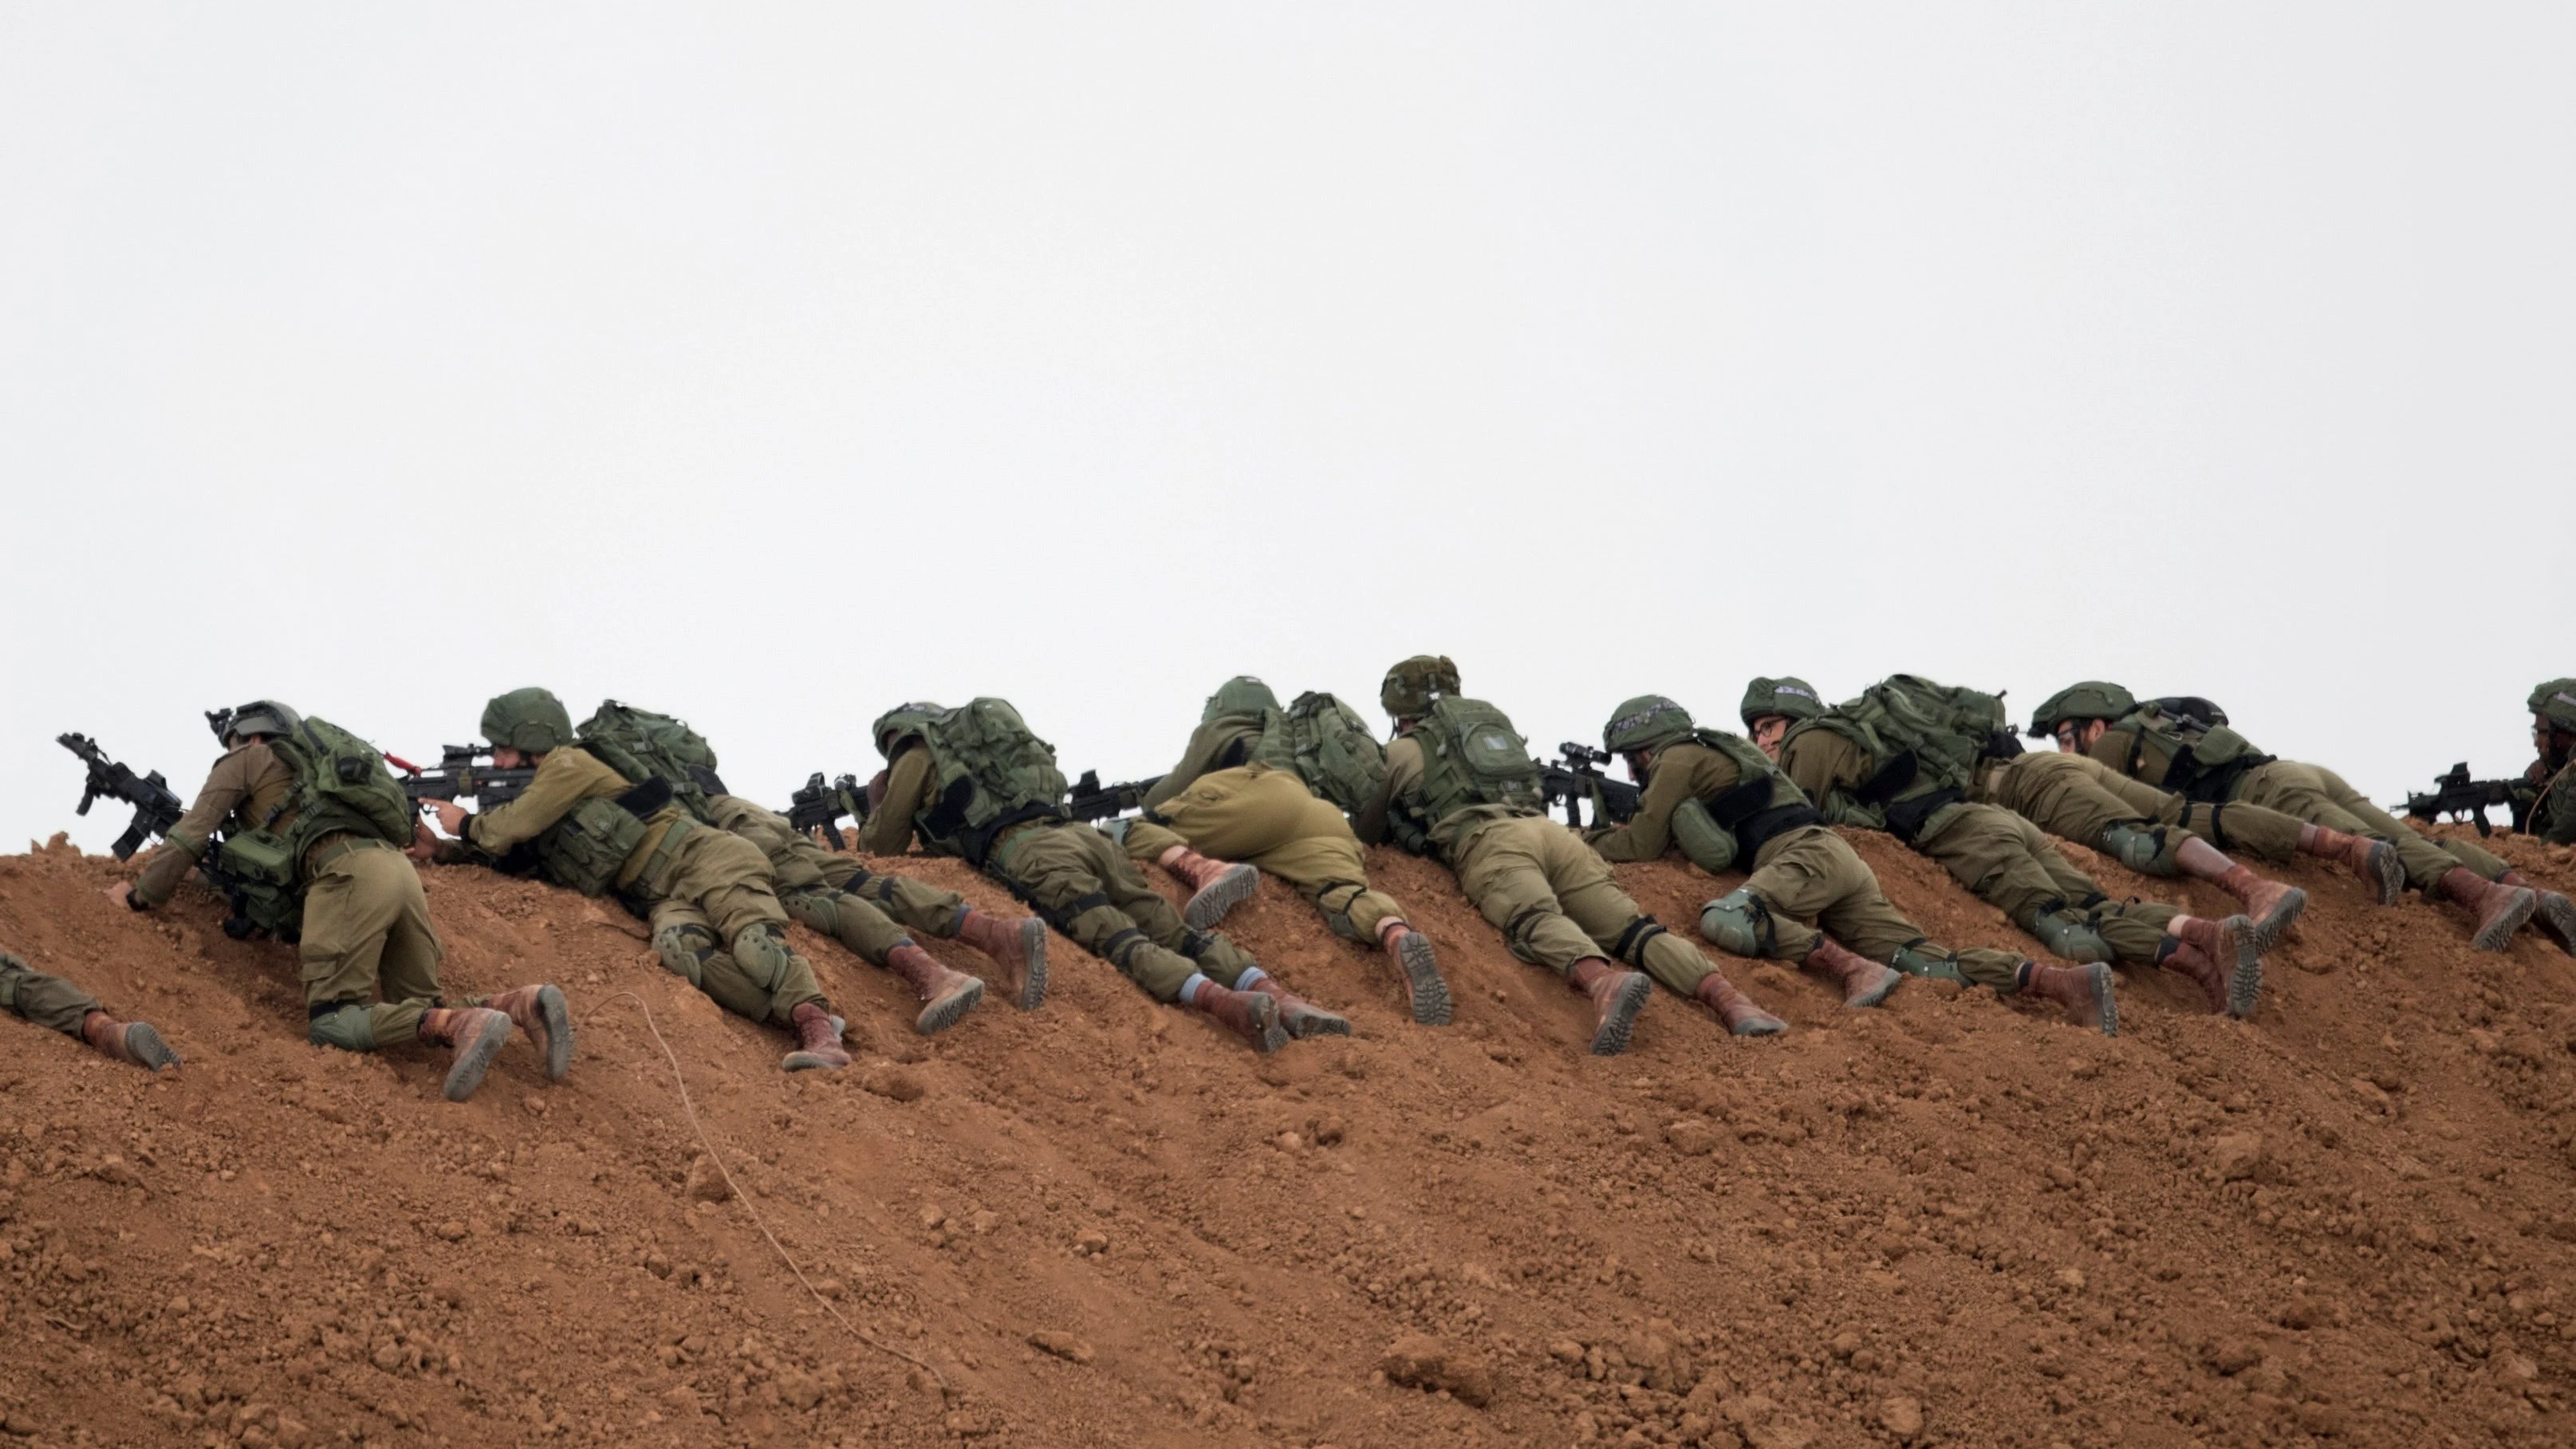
(2301, 791)
(1054, 871)
(1508, 871)
(2058, 793)
(728, 879)
(350, 909)
(1991, 852)
(915, 905)
(48, 1001)
(1853, 909)
(2462, 852)
(851, 920)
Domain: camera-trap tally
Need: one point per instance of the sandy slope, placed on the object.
(1955, 1220)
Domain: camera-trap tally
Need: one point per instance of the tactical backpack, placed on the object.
(1474, 764)
(1924, 741)
(642, 745)
(989, 772)
(2180, 743)
(341, 787)
(1330, 747)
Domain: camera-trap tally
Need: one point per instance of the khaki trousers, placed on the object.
(45, 1000)
(369, 957)
(2319, 796)
(1267, 816)
(2006, 862)
(1553, 897)
(1083, 885)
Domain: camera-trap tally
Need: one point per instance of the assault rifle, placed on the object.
(156, 810)
(1576, 777)
(820, 807)
(458, 777)
(2455, 794)
(1095, 801)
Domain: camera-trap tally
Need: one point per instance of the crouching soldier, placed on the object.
(706, 892)
(52, 1001)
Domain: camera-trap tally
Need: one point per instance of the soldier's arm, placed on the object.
(563, 780)
(1814, 765)
(1403, 772)
(1649, 832)
(889, 827)
(227, 785)
(1206, 743)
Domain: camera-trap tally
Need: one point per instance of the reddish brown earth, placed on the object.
(1953, 1221)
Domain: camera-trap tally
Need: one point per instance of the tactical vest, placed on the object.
(2169, 745)
(642, 745)
(1330, 747)
(989, 772)
(1922, 740)
(1764, 802)
(341, 788)
(1475, 767)
(588, 848)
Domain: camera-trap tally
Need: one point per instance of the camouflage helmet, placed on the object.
(1648, 722)
(1411, 685)
(1787, 696)
(259, 717)
(2556, 702)
(2092, 699)
(904, 721)
(1242, 694)
(530, 719)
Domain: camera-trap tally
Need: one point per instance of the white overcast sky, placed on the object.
(772, 365)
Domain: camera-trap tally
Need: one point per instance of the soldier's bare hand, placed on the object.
(424, 844)
(120, 892)
(451, 816)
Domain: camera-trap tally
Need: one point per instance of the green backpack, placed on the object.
(1329, 747)
(988, 772)
(341, 785)
(1472, 758)
(642, 745)
(2181, 743)
(1947, 728)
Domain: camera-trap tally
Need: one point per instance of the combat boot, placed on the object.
(476, 1033)
(2085, 992)
(2501, 909)
(1864, 982)
(1217, 886)
(818, 1039)
(1298, 1017)
(1424, 989)
(134, 1042)
(2176, 954)
(1617, 997)
(2231, 947)
(541, 1013)
(2556, 916)
(949, 994)
(2373, 860)
(1018, 945)
(1736, 1009)
(1248, 1014)
(2269, 904)
(2066, 932)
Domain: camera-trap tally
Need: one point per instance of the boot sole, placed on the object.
(1267, 1034)
(1611, 1037)
(1313, 1022)
(1223, 894)
(2285, 914)
(2557, 916)
(2245, 982)
(1885, 987)
(145, 1046)
(1423, 982)
(1033, 986)
(942, 1014)
(475, 1058)
(2387, 873)
(2497, 934)
(557, 1017)
(2106, 1006)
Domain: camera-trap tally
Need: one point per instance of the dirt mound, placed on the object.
(1953, 1221)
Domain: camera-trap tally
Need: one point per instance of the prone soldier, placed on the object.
(2546, 796)
(51, 1001)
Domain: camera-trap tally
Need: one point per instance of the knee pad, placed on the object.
(2072, 936)
(1919, 959)
(1738, 923)
(2141, 848)
(1704, 842)
(813, 906)
(1340, 924)
(685, 951)
(347, 1025)
(763, 954)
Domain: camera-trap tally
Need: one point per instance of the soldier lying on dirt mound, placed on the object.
(1725, 806)
(975, 782)
(2547, 793)
(1460, 785)
(583, 825)
(315, 830)
(52, 1001)
(2185, 745)
(1268, 786)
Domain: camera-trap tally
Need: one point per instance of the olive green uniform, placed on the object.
(2314, 794)
(868, 911)
(1549, 893)
(2002, 858)
(1078, 880)
(45, 1000)
(2553, 803)
(699, 886)
(2078, 798)
(1807, 876)
(368, 957)
(1218, 804)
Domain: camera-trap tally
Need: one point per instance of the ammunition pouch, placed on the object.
(1906, 818)
(587, 849)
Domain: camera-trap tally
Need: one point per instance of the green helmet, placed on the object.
(2556, 702)
(904, 721)
(1648, 722)
(1412, 685)
(530, 719)
(1787, 696)
(259, 717)
(2092, 699)
(1242, 694)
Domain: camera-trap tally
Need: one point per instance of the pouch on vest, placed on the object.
(989, 772)
(1473, 756)
(586, 849)
(1704, 842)
(262, 867)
